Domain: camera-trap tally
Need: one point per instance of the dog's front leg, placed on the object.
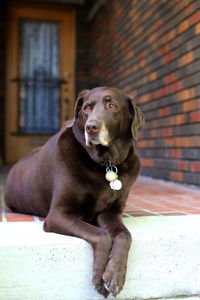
(68, 224)
(115, 272)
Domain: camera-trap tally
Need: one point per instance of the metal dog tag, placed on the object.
(116, 185)
(112, 177)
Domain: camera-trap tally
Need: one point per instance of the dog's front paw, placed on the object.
(99, 285)
(101, 254)
(114, 277)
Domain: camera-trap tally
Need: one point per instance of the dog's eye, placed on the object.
(87, 107)
(111, 105)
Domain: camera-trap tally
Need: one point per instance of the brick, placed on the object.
(169, 142)
(176, 153)
(163, 112)
(153, 95)
(186, 59)
(186, 130)
(197, 28)
(141, 55)
(169, 78)
(195, 116)
(188, 9)
(164, 49)
(164, 91)
(183, 95)
(147, 162)
(186, 94)
(180, 119)
(187, 142)
(169, 57)
(167, 132)
(144, 98)
(192, 154)
(153, 133)
(153, 76)
(158, 25)
(195, 17)
(183, 165)
(176, 176)
(166, 163)
(152, 38)
(130, 54)
(169, 36)
(183, 26)
(195, 166)
(176, 86)
(145, 144)
(143, 63)
(189, 105)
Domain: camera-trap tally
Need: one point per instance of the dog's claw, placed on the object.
(101, 289)
(115, 291)
(106, 285)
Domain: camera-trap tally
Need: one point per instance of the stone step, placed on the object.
(164, 261)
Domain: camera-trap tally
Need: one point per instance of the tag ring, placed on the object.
(112, 168)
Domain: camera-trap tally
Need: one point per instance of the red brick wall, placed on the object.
(151, 49)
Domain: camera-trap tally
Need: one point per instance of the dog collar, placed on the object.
(112, 177)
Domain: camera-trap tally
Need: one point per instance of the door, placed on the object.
(40, 75)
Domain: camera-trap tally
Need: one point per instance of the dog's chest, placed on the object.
(106, 198)
(96, 203)
(101, 197)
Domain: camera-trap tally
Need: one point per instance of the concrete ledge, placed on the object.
(164, 261)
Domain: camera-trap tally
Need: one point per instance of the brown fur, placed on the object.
(64, 181)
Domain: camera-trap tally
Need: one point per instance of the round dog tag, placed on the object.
(116, 185)
(111, 176)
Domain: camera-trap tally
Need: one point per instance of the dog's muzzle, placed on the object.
(96, 133)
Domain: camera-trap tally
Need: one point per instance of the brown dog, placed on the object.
(64, 180)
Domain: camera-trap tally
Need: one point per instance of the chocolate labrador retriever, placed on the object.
(64, 181)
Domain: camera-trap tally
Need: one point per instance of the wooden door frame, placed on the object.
(16, 12)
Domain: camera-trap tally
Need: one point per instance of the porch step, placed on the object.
(164, 261)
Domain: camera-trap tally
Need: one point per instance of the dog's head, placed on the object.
(105, 115)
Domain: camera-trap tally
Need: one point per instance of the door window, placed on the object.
(39, 85)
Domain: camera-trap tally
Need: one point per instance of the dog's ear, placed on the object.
(79, 102)
(138, 118)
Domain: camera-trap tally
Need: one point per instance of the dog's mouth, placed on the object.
(94, 141)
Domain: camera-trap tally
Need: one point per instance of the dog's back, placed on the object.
(19, 180)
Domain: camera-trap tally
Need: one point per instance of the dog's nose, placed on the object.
(92, 127)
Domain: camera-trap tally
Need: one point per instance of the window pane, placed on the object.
(39, 77)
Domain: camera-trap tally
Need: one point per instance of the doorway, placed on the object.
(40, 75)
